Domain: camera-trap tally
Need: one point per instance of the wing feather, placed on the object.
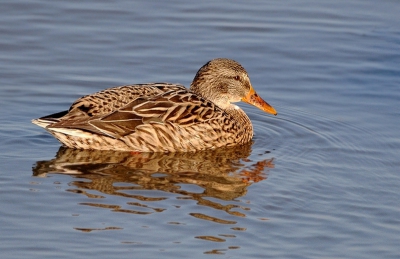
(112, 99)
(179, 108)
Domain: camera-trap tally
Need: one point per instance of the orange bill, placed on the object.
(254, 99)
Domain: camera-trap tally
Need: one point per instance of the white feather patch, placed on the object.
(72, 132)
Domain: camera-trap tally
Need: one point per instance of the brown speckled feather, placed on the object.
(160, 117)
(112, 99)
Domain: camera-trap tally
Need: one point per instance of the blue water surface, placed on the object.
(320, 180)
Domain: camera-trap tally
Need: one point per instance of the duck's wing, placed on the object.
(112, 99)
(105, 102)
(180, 108)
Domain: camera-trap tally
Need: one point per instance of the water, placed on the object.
(320, 180)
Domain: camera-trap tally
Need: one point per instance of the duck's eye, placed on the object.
(237, 78)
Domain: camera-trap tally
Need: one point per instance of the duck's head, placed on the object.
(224, 81)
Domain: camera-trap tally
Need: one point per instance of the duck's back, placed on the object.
(111, 99)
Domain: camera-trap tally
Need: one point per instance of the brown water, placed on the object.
(320, 180)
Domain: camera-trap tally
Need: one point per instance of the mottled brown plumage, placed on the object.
(162, 117)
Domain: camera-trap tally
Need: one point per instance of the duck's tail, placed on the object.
(49, 119)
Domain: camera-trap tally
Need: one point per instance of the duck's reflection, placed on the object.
(223, 174)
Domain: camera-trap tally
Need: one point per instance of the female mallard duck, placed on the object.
(163, 117)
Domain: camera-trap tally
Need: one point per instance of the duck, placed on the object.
(163, 117)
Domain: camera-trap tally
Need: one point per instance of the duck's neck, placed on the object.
(244, 130)
(243, 121)
(203, 91)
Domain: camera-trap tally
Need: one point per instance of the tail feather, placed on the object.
(49, 119)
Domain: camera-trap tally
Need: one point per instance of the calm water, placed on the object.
(320, 180)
